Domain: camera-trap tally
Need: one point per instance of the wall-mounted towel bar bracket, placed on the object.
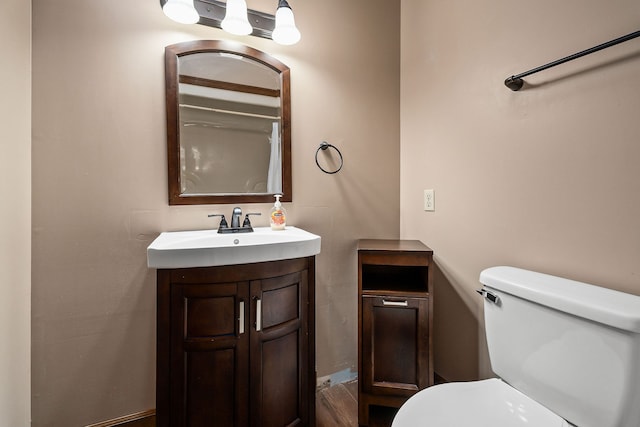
(515, 83)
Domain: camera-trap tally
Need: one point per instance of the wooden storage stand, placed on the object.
(395, 311)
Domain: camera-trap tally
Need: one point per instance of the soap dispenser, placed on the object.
(278, 217)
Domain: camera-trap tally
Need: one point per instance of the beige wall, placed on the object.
(514, 173)
(15, 213)
(546, 178)
(100, 197)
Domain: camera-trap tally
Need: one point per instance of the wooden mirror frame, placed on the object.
(172, 54)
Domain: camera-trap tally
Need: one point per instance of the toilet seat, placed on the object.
(486, 403)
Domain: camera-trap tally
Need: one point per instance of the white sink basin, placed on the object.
(207, 248)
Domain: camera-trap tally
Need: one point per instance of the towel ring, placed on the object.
(324, 146)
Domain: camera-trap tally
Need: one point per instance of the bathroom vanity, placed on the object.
(395, 311)
(236, 343)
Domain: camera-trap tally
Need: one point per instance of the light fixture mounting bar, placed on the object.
(212, 13)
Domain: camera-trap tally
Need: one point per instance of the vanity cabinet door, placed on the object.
(236, 345)
(395, 345)
(210, 355)
(279, 380)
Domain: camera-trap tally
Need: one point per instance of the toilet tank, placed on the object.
(571, 346)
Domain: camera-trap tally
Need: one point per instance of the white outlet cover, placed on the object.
(429, 200)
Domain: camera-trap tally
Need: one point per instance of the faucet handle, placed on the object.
(246, 222)
(223, 221)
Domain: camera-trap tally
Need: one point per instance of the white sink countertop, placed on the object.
(207, 248)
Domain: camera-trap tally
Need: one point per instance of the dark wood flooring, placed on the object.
(337, 406)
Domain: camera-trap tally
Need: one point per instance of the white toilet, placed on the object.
(567, 354)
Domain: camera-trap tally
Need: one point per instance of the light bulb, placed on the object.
(182, 11)
(235, 20)
(285, 31)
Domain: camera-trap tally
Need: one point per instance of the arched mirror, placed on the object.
(228, 124)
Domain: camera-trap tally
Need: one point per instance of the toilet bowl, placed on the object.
(565, 353)
(487, 403)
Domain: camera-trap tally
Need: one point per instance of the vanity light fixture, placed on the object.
(235, 18)
(182, 11)
(285, 31)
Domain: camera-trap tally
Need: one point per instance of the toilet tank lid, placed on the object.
(607, 306)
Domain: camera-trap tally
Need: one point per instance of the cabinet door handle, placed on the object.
(241, 318)
(258, 314)
(395, 303)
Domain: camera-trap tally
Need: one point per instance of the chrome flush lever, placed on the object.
(487, 294)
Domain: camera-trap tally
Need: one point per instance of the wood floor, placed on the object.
(337, 406)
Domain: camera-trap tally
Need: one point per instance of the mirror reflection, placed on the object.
(230, 141)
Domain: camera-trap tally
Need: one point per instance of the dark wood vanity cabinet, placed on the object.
(395, 358)
(236, 345)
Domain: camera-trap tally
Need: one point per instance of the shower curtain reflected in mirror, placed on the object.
(274, 179)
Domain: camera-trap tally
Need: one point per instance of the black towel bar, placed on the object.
(515, 82)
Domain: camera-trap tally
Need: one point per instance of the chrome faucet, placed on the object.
(235, 217)
(235, 222)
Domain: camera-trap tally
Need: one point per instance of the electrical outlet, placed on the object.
(429, 201)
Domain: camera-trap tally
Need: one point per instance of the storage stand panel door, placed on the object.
(395, 345)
